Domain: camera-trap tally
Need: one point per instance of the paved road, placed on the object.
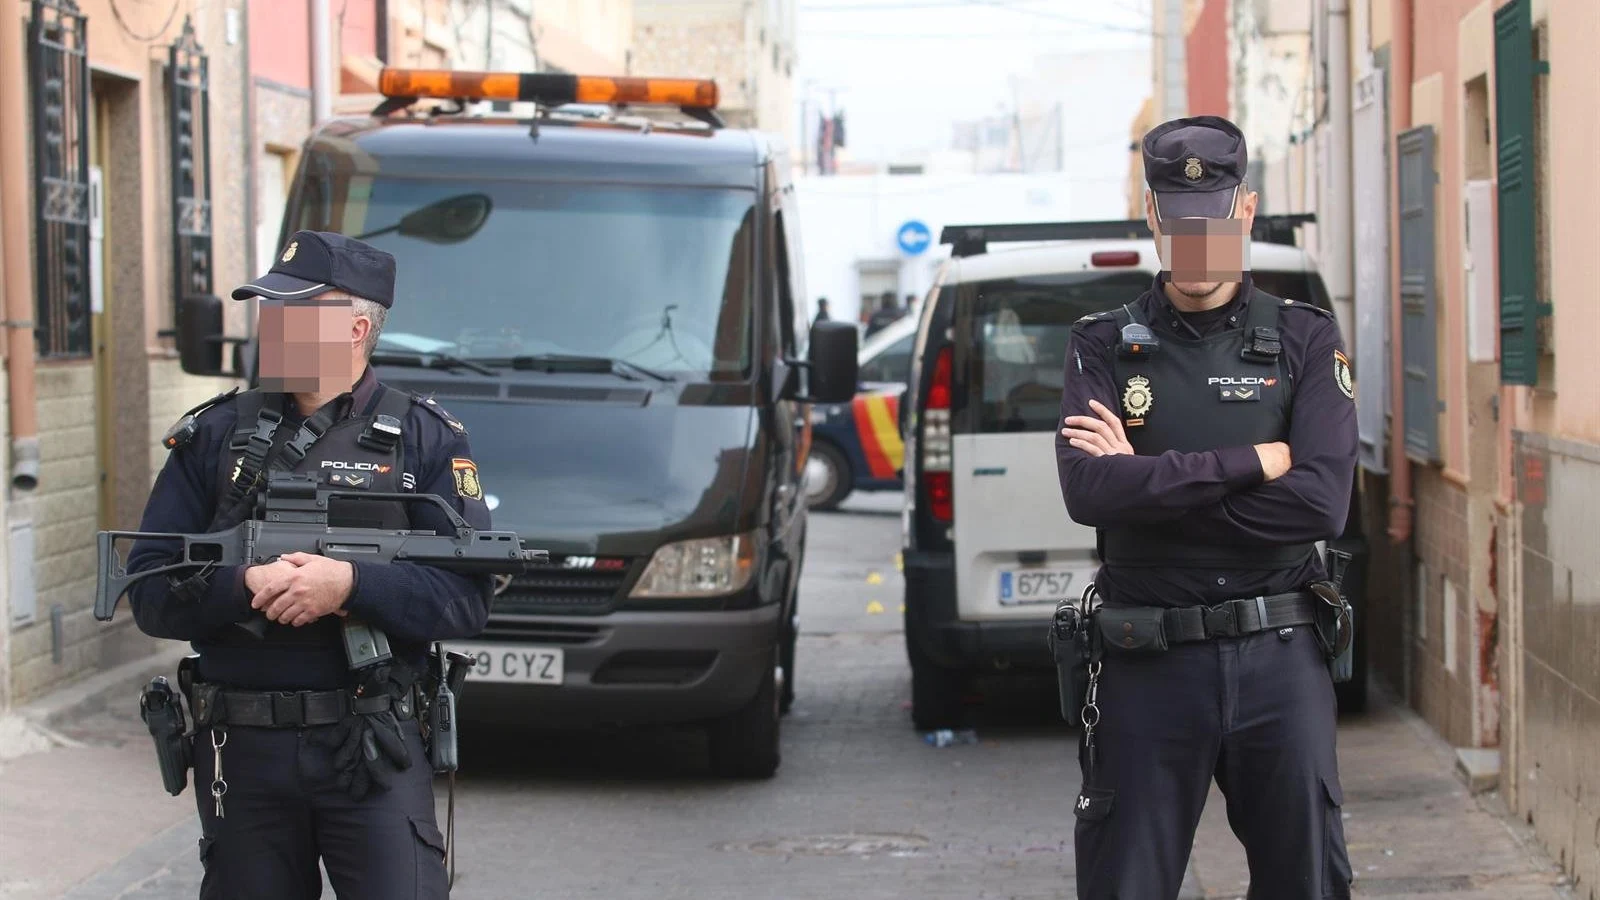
(862, 807)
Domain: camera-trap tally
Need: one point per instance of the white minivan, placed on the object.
(988, 548)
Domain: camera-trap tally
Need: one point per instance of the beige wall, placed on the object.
(1574, 133)
(586, 37)
(750, 57)
(126, 397)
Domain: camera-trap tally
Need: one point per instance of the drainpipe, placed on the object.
(1334, 217)
(1400, 500)
(15, 218)
(321, 63)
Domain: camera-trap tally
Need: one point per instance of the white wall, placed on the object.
(845, 219)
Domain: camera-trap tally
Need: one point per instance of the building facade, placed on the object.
(117, 137)
(747, 47)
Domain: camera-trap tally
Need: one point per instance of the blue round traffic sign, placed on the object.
(913, 237)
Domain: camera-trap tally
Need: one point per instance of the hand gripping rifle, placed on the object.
(293, 517)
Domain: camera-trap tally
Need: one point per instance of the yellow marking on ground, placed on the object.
(874, 578)
(874, 608)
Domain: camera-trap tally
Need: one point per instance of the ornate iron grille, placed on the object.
(58, 77)
(189, 107)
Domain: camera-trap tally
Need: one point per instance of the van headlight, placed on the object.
(705, 567)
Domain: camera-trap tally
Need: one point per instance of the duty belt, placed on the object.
(216, 705)
(1238, 618)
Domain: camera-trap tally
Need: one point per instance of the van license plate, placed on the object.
(514, 663)
(1036, 586)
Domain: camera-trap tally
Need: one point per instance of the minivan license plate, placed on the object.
(1035, 586)
(513, 663)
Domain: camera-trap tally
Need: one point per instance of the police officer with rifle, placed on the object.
(312, 671)
(1210, 438)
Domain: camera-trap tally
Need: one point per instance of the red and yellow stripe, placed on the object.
(876, 417)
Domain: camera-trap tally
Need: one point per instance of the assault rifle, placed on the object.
(292, 516)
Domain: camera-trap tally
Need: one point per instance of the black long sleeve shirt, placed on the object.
(1219, 492)
(414, 604)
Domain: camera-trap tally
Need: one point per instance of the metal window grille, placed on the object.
(189, 120)
(58, 78)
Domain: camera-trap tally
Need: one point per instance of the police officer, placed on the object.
(1210, 438)
(296, 757)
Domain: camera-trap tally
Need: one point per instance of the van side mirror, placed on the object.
(831, 360)
(200, 339)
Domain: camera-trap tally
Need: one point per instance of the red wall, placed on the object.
(360, 34)
(1206, 58)
(280, 37)
(280, 41)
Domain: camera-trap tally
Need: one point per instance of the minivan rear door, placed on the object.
(1017, 553)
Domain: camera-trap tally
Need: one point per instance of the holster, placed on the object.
(1335, 627)
(162, 712)
(1074, 644)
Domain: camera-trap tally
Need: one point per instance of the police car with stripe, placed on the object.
(856, 446)
(988, 548)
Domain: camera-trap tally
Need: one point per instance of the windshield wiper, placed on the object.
(430, 361)
(561, 362)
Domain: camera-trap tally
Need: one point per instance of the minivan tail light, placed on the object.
(1114, 258)
(936, 443)
(548, 88)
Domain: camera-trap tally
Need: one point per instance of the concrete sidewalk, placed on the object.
(86, 819)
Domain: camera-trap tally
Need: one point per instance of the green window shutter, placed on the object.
(1513, 109)
(1419, 288)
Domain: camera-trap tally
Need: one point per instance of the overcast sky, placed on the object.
(904, 70)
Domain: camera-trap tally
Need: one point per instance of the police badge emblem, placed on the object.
(1137, 399)
(1342, 374)
(1192, 169)
(467, 483)
(288, 252)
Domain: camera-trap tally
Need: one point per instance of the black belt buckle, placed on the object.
(1220, 621)
(288, 708)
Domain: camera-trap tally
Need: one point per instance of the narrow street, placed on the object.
(862, 806)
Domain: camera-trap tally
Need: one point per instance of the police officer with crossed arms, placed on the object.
(1209, 435)
(297, 758)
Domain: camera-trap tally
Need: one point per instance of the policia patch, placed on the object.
(467, 483)
(1341, 374)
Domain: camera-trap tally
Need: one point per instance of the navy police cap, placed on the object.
(315, 262)
(1194, 166)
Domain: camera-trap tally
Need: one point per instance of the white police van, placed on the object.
(988, 548)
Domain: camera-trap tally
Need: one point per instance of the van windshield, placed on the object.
(1014, 334)
(660, 277)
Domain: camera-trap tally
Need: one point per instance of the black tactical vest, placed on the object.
(350, 455)
(1230, 388)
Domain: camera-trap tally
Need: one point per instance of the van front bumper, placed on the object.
(631, 667)
(933, 623)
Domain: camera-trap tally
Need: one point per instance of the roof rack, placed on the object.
(970, 240)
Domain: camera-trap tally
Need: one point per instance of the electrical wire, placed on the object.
(172, 13)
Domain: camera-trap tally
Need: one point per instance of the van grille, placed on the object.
(559, 587)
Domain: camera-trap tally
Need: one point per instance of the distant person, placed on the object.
(889, 312)
(822, 312)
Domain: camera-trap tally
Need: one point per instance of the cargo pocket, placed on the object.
(206, 845)
(1336, 873)
(432, 881)
(1094, 804)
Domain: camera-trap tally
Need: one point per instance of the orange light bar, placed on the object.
(548, 88)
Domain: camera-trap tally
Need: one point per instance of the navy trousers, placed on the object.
(283, 812)
(1255, 713)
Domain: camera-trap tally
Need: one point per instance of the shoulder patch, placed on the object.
(1093, 317)
(428, 404)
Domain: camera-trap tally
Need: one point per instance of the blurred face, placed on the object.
(310, 347)
(1201, 255)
